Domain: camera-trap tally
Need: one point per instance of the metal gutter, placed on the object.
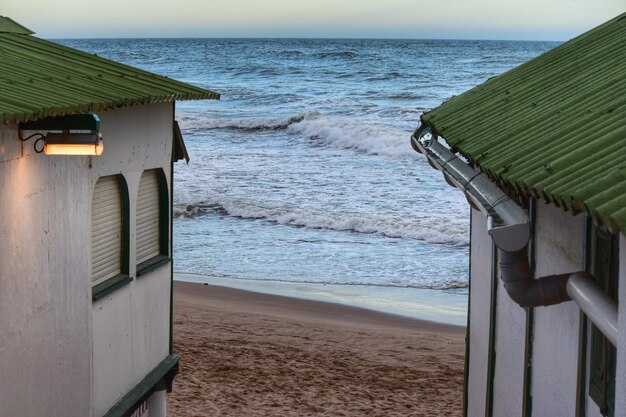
(509, 228)
(526, 129)
(507, 222)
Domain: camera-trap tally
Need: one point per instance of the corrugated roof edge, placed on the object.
(524, 191)
(197, 93)
(426, 119)
(95, 107)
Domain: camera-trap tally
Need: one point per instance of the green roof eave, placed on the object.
(552, 128)
(39, 78)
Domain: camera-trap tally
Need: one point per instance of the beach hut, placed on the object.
(540, 154)
(87, 147)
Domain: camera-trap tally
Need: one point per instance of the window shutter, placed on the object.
(148, 217)
(106, 230)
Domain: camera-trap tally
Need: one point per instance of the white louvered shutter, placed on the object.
(106, 230)
(148, 217)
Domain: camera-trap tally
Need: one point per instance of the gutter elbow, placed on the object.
(523, 289)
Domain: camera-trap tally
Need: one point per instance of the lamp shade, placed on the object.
(73, 144)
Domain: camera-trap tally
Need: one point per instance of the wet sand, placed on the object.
(252, 354)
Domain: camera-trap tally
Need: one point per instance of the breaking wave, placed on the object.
(429, 229)
(193, 123)
(318, 129)
(353, 134)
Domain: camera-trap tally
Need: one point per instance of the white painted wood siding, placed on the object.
(131, 325)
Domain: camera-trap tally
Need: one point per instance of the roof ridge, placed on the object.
(8, 25)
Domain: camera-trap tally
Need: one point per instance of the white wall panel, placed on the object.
(480, 305)
(48, 318)
(45, 290)
(560, 249)
(508, 389)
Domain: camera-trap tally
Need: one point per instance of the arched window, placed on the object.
(109, 232)
(152, 215)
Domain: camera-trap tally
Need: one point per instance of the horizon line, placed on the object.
(294, 38)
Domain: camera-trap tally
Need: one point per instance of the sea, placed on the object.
(303, 172)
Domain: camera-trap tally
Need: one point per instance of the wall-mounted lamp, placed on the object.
(73, 144)
(79, 135)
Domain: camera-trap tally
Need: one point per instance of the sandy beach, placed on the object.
(251, 354)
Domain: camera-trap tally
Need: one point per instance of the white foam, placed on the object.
(354, 134)
(327, 131)
(198, 122)
(433, 229)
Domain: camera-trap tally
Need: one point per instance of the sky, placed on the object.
(404, 19)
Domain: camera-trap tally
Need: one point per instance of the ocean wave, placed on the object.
(453, 286)
(318, 129)
(388, 76)
(336, 54)
(193, 123)
(428, 229)
(349, 134)
(406, 96)
(260, 71)
(191, 274)
(292, 53)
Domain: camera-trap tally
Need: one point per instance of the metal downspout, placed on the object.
(523, 289)
(509, 228)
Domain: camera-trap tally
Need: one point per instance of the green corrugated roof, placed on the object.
(39, 78)
(554, 127)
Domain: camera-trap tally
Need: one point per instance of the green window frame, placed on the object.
(602, 364)
(109, 236)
